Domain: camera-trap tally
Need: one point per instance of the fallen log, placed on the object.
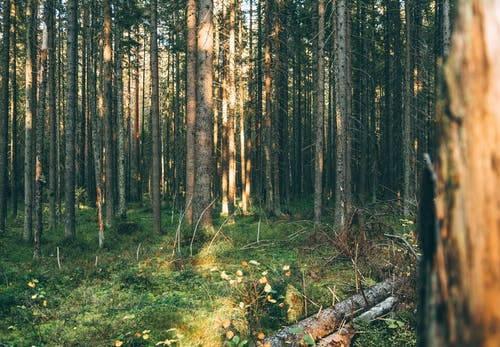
(343, 336)
(328, 320)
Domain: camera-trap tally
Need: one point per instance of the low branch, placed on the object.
(403, 240)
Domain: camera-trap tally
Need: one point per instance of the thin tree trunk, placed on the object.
(203, 140)
(276, 129)
(4, 115)
(243, 163)
(40, 122)
(14, 147)
(190, 106)
(108, 115)
(232, 105)
(122, 208)
(51, 110)
(29, 174)
(155, 119)
(406, 125)
(267, 124)
(319, 126)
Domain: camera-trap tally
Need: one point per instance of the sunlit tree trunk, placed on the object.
(4, 114)
(190, 106)
(245, 182)
(203, 139)
(276, 128)
(155, 119)
(232, 106)
(108, 115)
(461, 306)
(319, 122)
(14, 147)
(29, 172)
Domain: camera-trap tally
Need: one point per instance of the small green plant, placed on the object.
(307, 338)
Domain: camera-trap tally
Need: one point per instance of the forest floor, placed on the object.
(254, 276)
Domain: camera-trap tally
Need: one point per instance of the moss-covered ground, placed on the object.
(246, 280)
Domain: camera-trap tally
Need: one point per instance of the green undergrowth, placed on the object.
(251, 276)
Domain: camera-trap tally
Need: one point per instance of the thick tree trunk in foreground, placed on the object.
(463, 306)
(328, 320)
(203, 139)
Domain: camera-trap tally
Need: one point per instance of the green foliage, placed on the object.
(138, 292)
(390, 332)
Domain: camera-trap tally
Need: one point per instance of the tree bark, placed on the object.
(320, 117)
(203, 140)
(4, 114)
(463, 305)
(108, 113)
(155, 120)
(329, 319)
(120, 122)
(190, 106)
(14, 154)
(51, 110)
(29, 173)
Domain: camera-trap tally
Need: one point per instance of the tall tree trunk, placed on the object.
(276, 129)
(120, 122)
(267, 125)
(343, 100)
(232, 105)
(137, 130)
(155, 120)
(4, 114)
(39, 145)
(406, 125)
(108, 113)
(51, 110)
(29, 173)
(14, 147)
(250, 114)
(461, 307)
(320, 116)
(243, 157)
(190, 106)
(203, 139)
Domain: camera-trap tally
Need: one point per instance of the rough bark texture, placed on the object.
(39, 144)
(190, 106)
(51, 111)
(319, 123)
(108, 116)
(14, 153)
(343, 101)
(120, 131)
(203, 140)
(232, 106)
(4, 114)
(325, 322)
(466, 309)
(29, 172)
(155, 123)
(71, 109)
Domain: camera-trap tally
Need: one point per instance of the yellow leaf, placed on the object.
(288, 273)
(261, 336)
(145, 336)
(242, 305)
(138, 334)
(229, 334)
(31, 284)
(268, 288)
(286, 267)
(118, 343)
(244, 263)
(44, 303)
(224, 275)
(239, 273)
(281, 305)
(262, 280)
(264, 273)
(226, 323)
(270, 299)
